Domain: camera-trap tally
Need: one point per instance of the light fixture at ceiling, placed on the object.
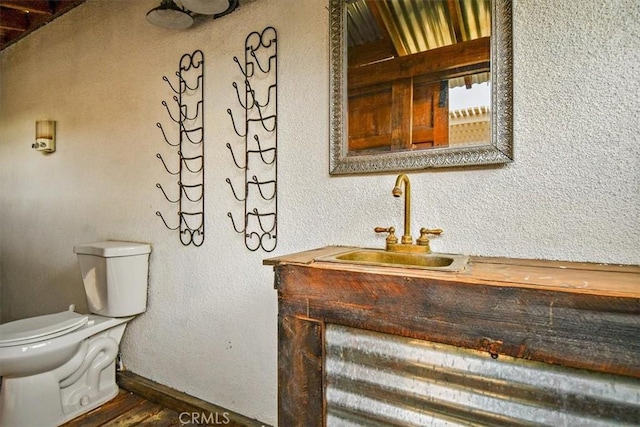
(169, 15)
(207, 7)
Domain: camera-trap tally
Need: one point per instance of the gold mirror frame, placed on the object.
(499, 151)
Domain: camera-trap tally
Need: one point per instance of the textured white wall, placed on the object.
(210, 329)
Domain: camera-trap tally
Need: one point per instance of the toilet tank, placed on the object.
(115, 276)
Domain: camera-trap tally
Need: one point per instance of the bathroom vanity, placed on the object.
(562, 323)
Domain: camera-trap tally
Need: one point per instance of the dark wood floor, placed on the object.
(142, 402)
(128, 409)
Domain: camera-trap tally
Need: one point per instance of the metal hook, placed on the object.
(169, 111)
(184, 114)
(165, 165)
(235, 58)
(165, 194)
(273, 86)
(170, 85)
(259, 185)
(262, 120)
(228, 181)
(234, 124)
(259, 217)
(269, 62)
(165, 222)
(262, 151)
(234, 224)
(247, 89)
(233, 156)
(183, 108)
(165, 136)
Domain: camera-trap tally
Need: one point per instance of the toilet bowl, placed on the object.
(63, 364)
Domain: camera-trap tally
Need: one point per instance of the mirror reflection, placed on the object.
(413, 84)
(418, 74)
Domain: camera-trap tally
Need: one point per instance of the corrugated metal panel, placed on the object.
(376, 379)
(475, 18)
(418, 25)
(362, 27)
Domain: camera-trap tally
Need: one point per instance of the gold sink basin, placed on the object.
(376, 257)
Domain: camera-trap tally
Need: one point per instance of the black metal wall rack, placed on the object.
(187, 115)
(258, 99)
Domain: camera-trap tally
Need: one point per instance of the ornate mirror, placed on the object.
(419, 84)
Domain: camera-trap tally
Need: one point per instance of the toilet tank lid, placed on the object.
(113, 248)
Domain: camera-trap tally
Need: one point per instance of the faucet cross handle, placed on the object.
(423, 240)
(391, 238)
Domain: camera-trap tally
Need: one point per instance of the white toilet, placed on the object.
(58, 366)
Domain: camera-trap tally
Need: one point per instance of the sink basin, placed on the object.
(375, 257)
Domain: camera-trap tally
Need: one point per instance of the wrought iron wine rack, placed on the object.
(257, 96)
(188, 115)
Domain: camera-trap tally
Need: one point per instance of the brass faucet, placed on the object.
(406, 242)
(397, 192)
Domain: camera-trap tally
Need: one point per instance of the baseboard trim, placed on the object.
(182, 402)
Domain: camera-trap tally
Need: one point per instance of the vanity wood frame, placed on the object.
(579, 315)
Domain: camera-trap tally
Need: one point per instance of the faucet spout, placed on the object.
(397, 192)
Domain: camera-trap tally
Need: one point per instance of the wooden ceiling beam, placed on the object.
(42, 7)
(35, 14)
(474, 54)
(6, 35)
(13, 19)
(370, 52)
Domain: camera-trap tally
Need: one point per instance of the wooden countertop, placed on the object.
(574, 277)
(580, 315)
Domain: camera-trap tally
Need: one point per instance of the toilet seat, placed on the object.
(40, 328)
